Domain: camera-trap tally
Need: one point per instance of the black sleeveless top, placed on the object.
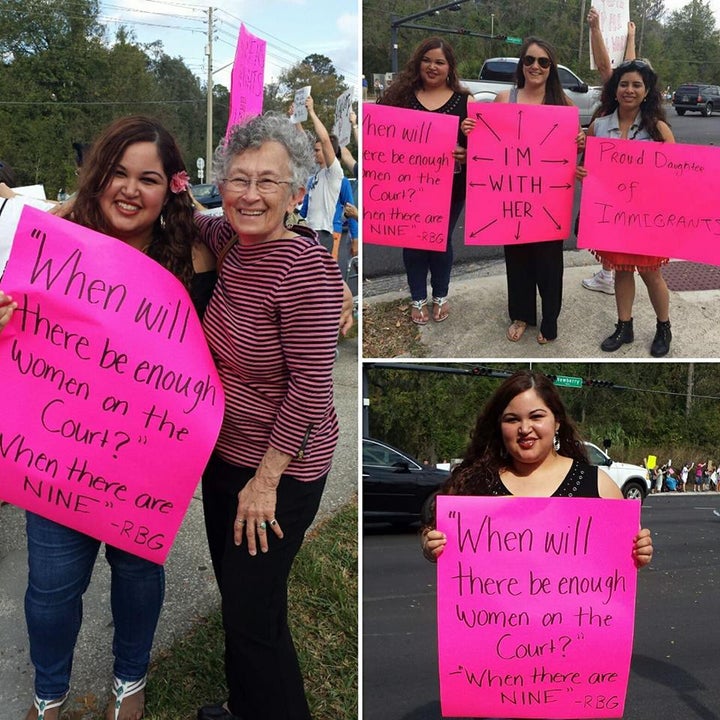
(580, 481)
(201, 290)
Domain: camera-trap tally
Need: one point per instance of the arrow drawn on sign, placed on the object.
(517, 232)
(487, 125)
(566, 186)
(564, 161)
(474, 184)
(484, 227)
(477, 157)
(555, 222)
(520, 114)
(551, 131)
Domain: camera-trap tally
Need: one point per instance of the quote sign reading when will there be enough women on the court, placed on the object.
(536, 606)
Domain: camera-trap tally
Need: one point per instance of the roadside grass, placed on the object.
(324, 621)
(389, 332)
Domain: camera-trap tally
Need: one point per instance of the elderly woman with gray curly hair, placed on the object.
(272, 325)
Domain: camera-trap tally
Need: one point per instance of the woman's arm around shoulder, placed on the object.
(203, 260)
(502, 96)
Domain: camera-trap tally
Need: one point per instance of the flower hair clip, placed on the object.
(179, 182)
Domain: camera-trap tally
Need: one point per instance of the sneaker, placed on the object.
(599, 282)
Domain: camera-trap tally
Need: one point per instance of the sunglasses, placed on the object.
(543, 62)
(635, 63)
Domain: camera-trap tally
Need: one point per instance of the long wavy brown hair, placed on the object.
(174, 232)
(554, 93)
(404, 86)
(651, 108)
(486, 456)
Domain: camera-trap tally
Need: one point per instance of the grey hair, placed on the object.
(260, 129)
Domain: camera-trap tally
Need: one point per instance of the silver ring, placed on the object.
(240, 522)
(273, 523)
(263, 525)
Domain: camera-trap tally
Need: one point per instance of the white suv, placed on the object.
(631, 479)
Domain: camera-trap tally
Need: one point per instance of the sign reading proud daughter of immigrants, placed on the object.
(536, 605)
(521, 172)
(111, 402)
(407, 174)
(651, 199)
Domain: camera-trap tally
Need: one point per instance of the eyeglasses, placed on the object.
(543, 62)
(265, 186)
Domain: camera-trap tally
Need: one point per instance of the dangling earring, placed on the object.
(556, 441)
(162, 221)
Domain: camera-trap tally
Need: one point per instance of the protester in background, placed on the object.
(272, 326)
(699, 472)
(684, 473)
(133, 187)
(604, 279)
(524, 444)
(631, 109)
(323, 187)
(535, 267)
(430, 83)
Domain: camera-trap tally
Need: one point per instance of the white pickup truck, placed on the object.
(498, 74)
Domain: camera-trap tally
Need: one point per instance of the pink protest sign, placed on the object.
(536, 604)
(520, 173)
(246, 82)
(115, 404)
(407, 173)
(651, 199)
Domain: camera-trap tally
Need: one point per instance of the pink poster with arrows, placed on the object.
(407, 176)
(536, 606)
(112, 404)
(520, 173)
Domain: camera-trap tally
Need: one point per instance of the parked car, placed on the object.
(696, 97)
(395, 485)
(207, 195)
(631, 479)
(498, 74)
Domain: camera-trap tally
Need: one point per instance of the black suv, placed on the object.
(696, 97)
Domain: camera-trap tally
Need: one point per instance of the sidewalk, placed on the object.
(478, 321)
(191, 592)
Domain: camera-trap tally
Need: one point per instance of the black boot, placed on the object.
(661, 342)
(623, 334)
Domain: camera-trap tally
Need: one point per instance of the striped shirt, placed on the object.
(272, 326)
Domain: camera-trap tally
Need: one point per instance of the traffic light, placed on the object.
(599, 383)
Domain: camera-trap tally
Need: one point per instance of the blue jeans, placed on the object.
(60, 563)
(439, 264)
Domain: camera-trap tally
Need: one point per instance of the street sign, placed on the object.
(566, 381)
(200, 163)
(513, 40)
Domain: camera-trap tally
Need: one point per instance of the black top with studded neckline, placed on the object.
(581, 481)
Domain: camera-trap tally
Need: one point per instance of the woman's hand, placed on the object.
(580, 172)
(7, 307)
(6, 191)
(346, 314)
(433, 543)
(580, 140)
(642, 548)
(255, 514)
(460, 154)
(467, 125)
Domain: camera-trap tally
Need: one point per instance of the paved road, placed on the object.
(676, 664)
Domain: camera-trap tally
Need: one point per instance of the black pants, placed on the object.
(261, 665)
(530, 266)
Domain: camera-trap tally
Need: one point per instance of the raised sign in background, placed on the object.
(651, 199)
(520, 173)
(246, 82)
(407, 174)
(112, 404)
(536, 605)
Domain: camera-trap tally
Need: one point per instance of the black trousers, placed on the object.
(530, 266)
(261, 665)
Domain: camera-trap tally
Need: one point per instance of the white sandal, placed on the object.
(123, 689)
(42, 706)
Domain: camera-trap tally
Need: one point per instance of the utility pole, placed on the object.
(582, 30)
(690, 383)
(209, 112)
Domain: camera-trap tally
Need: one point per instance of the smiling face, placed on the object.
(534, 74)
(134, 198)
(255, 216)
(434, 69)
(528, 427)
(631, 90)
